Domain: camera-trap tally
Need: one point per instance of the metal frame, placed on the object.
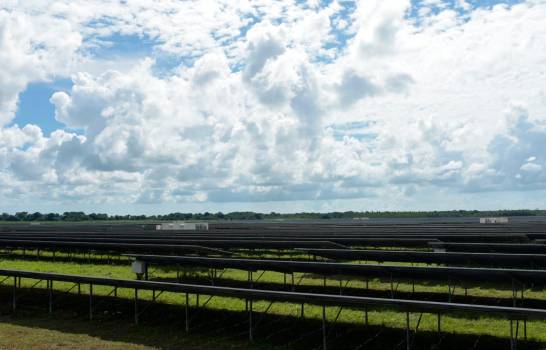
(324, 300)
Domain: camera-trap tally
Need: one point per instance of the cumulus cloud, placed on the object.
(518, 154)
(31, 51)
(265, 104)
(379, 23)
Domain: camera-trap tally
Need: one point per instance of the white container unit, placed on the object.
(498, 220)
(183, 226)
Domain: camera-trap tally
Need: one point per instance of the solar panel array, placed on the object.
(508, 256)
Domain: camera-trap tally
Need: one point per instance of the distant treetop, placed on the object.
(248, 215)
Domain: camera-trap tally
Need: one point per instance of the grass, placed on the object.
(163, 329)
(42, 332)
(462, 324)
(37, 336)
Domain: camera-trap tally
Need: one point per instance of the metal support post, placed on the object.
(514, 293)
(512, 342)
(90, 302)
(323, 327)
(293, 286)
(186, 309)
(14, 302)
(136, 306)
(392, 289)
(249, 280)
(50, 290)
(250, 336)
(407, 331)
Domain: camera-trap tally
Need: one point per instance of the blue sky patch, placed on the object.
(118, 45)
(35, 108)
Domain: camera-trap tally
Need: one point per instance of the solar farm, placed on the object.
(278, 285)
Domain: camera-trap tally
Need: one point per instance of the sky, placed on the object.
(149, 107)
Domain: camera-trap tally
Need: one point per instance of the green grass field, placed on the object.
(43, 332)
(462, 324)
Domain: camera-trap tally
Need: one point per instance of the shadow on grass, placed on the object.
(347, 289)
(163, 326)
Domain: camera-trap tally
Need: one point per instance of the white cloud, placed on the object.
(30, 50)
(378, 25)
(531, 167)
(266, 111)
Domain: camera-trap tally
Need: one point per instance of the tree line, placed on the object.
(248, 215)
